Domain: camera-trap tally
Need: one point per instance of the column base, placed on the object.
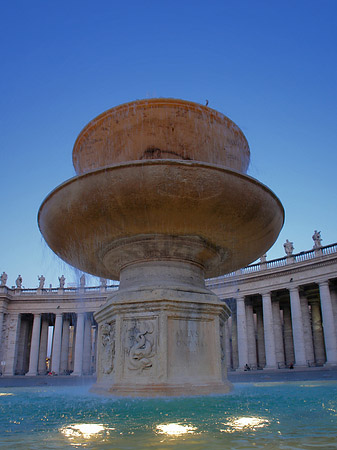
(330, 365)
(241, 369)
(31, 374)
(300, 366)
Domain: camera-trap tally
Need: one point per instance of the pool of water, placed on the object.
(292, 415)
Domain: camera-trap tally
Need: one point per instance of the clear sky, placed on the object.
(271, 66)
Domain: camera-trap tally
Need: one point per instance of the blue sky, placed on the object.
(270, 66)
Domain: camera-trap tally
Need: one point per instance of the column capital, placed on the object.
(240, 298)
(265, 293)
(323, 282)
(293, 288)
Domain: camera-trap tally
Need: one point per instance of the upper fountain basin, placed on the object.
(160, 129)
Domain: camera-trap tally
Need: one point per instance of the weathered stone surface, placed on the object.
(86, 219)
(162, 202)
(160, 129)
(162, 347)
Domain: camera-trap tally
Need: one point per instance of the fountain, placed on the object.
(161, 200)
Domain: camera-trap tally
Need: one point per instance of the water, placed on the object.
(292, 415)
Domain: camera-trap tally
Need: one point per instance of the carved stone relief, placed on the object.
(140, 345)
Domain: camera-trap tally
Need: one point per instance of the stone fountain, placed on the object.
(161, 200)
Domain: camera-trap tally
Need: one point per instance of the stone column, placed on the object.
(72, 343)
(260, 338)
(14, 323)
(1, 325)
(78, 357)
(308, 342)
(64, 346)
(234, 331)
(269, 338)
(333, 295)
(87, 346)
(242, 332)
(43, 347)
(279, 347)
(251, 339)
(56, 355)
(229, 331)
(288, 336)
(1, 343)
(330, 337)
(317, 333)
(95, 337)
(34, 346)
(227, 345)
(297, 324)
(22, 357)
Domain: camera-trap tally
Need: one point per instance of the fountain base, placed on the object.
(160, 340)
(163, 390)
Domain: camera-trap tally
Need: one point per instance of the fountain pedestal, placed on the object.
(162, 347)
(162, 332)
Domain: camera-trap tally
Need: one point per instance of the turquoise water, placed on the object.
(293, 415)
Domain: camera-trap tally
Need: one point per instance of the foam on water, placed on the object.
(298, 415)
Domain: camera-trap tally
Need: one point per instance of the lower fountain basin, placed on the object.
(236, 217)
(278, 416)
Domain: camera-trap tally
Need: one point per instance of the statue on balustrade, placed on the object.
(3, 278)
(317, 239)
(288, 247)
(62, 281)
(103, 282)
(82, 280)
(18, 282)
(41, 281)
(263, 258)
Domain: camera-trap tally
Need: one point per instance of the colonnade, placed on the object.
(38, 343)
(294, 326)
(284, 314)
